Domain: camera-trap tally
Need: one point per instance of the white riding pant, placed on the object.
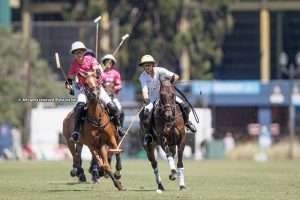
(81, 96)
(117, 103)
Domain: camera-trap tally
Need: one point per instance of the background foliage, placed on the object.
(155, 29)
(13, 77)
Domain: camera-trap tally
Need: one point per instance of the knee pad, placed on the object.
(113, 109)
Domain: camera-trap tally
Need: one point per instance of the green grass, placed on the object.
(204, 180)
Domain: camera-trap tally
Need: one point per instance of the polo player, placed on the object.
(83, 64)
(150, 80)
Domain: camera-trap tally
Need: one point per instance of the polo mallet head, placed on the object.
(58, 65)
(96, 20)
(124, 37)
(57, 60)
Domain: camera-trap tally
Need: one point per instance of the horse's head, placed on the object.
(167, 100)
(92, 86)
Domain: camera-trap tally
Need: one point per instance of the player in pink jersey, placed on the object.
(111, 80)
(83, 64)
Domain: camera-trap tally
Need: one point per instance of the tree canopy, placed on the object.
(13, 77)
(164, 29)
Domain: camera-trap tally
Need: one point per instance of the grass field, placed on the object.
(204, 180)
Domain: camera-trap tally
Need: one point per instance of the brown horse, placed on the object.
(98, 133)
(169, 132)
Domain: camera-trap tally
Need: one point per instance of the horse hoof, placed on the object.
(73, 172)
(95, 174)
(118, 185)
(95, 180)
(82, 178)
(161, 187)
(182, 187)
(172, 176)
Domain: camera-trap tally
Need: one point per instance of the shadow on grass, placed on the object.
(141, 190)
(70, 183)
(154, 190)
(77, 183)
(68, 190)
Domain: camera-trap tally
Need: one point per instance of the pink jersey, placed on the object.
(111, 77)
(86, 66)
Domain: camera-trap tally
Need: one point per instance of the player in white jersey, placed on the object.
(150, 84)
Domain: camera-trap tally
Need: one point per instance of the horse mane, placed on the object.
(166, 82)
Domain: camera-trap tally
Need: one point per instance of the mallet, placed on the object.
(124, 37)
(58, 65)
(96, 21)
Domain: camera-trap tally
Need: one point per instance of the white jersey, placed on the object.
(152, 85)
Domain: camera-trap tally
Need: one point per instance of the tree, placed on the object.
(13, 78)
(156, 28)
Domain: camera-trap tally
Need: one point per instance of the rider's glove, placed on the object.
(69, 81)
(172, 80)
(71, 92)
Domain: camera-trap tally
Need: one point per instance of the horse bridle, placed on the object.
(94, 122)
(90, 94)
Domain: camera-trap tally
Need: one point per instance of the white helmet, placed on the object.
(146, 59)
(108, 57)
(77, 45)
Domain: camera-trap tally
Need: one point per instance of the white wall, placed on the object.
(204, 129)
(46, 124)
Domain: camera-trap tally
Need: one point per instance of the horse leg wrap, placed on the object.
(122, 115)
(171, 163)
(180, 175)
(157, 176)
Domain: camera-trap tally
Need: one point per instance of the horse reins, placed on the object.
(192, 108)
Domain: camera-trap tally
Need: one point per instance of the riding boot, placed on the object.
(186, 111)
(79, 108)
(145, 118)
(122, 117)
(113, 110)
